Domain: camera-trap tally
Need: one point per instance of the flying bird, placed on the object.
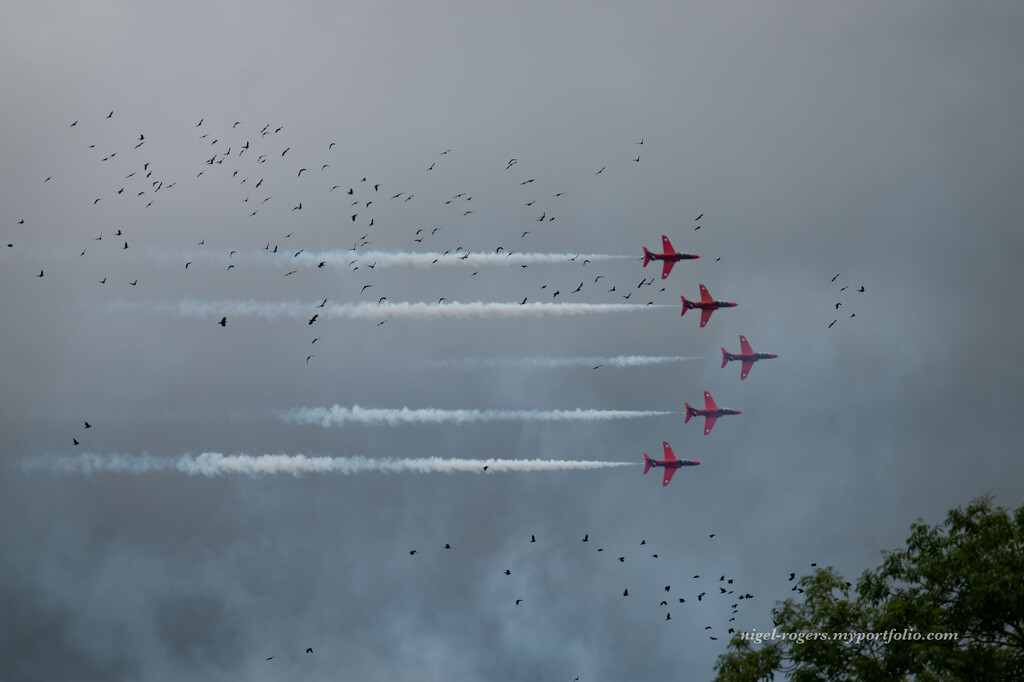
(223, 322)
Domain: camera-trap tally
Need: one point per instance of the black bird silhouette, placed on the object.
(861, 289)
(578, 288)
(223, 322)
(508, 572)
(40, 274)
(300, 172)
(309, 651)
(518, 602)
(365, 287)
(622, 559)
(836, 277)
(533, 538)
(625, 593)
(269, 657)
(600, 171)
(698, 217)
(586, 538)
(833, 322)
(313, 319)
(838, 304)
(411, 552)
(88, 425)
(75, 441)
(308, 357)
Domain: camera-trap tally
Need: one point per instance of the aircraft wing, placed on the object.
(666, 246)
(669, 455)
(745, 348)
(666, 268)
(705, 315)
(709, 423)
(705, 296)
(745, 369)
(709, 402)
(669, 472)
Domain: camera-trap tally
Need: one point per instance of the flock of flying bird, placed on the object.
(245, 156)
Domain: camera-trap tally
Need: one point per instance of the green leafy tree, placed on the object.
(965, 576)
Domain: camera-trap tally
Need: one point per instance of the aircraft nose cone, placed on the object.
(695, 462)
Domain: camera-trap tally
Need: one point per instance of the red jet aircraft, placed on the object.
(670, 463)
(711, 412)
(707, 305)
(669, 256)
(747, 355)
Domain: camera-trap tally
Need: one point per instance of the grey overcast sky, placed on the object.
(881, 141)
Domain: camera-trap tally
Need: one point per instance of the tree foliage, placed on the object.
(964, 576)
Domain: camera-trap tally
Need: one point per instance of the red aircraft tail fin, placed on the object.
(648, 257)
(725, 357)
(684, 305)
(647, 463)
(689, 413)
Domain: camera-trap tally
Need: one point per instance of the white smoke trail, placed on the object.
(369, 311)
(336, 415)
(392, 258)
(212, 464)
(558, 363)
(285, 257)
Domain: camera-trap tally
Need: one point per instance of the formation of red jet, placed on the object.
(669, 256)
(670, 463)
(747, 356)
(711, 412)
(706, 305)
